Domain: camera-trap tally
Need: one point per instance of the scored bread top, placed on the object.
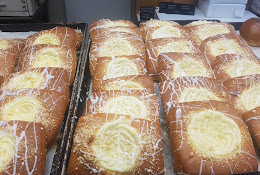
(210, 138)
(136, 103)
(232, 65)
(173, 65)
(188, 89)
(116, 144)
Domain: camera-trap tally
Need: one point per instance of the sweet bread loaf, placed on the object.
(250, 31)
(50, 78)
(116, 144)
(131, 82)
(13, 46)
(111, 31)
(199, 33)
(35, 105)
(23, 148)
(164, 45)
(173, 65)
(136, 103)
(224, 44)
(49, 56)
(252, 121)
(188, 89)
(166, 32)
(118, 45)
(106, 23)
(199, 22)
(244, 91)
(61, 36)
(7, 62)
(146, 25)
(114, 67)
(210, 138)
(231, 65)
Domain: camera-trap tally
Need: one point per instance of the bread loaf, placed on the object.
(250, 31)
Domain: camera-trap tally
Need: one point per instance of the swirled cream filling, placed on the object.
(196, 23)
(123, 85)
(4, 44)
(224, 46)
(117, 146)
(120, 67)
(49, 38)
(189, 67)
(49, 57)
(197, 94)
(7, 149)
(241, 67)
(125, 105)
(158, 23)
(21, 108)
(25, 80)
(178, 46)
(213, 135)
(206, 31)
(165, 32)
(250, 98)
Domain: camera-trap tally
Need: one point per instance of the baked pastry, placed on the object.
(49, 56)
(110, 31)
(188, 89)
(105, 23)
(79, 38)
(146, 25)
(210, 138)
(231, 65)
(22, 148)
(35, 105)
(61, 36)
(245, 91)
(116, 144)
(173, 65)
(50, 78)
(199, 33)
(252, 120)
(13, 46)
(7, 62)
(164, 45)
(199, 22)
(250, 31)
(224, 44)
(118, 45)
(114, 67)
(166, 32)
(131, 82)
(136, 103)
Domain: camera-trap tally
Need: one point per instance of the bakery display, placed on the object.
(49, 56)
(117, 144)
(131, 82)
(211, 138)
(245, 91)
(228, 66)
(188, 89)
(250, 31)
(173, 65)
(22, 148)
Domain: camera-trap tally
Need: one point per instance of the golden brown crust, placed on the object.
(164, 45)
(250, 31)
(79, 37)
(131, 82)
(84, 161)
(189, 160)
(61, 36)
(188, 89)
(43, 106)
(173, 65)
(113, 67)
(49, 56)
(30, 147)
(223, 44)
(49, 78)
(118, 45)
(7, 62)
(105, 23)
(136, 103)
(12, 46)
(228, 66)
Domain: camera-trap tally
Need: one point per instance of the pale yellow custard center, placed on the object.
(49, 57)
(205, 31)
(7, 149)
(177, 46)
(50, 39)
(4, 44)
(213, 135)
(166, 31)
(250, 98)
(123, 85)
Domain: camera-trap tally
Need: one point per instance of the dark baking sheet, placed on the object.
(61, 140)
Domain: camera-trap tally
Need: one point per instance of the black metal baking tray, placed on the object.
(61, 140)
